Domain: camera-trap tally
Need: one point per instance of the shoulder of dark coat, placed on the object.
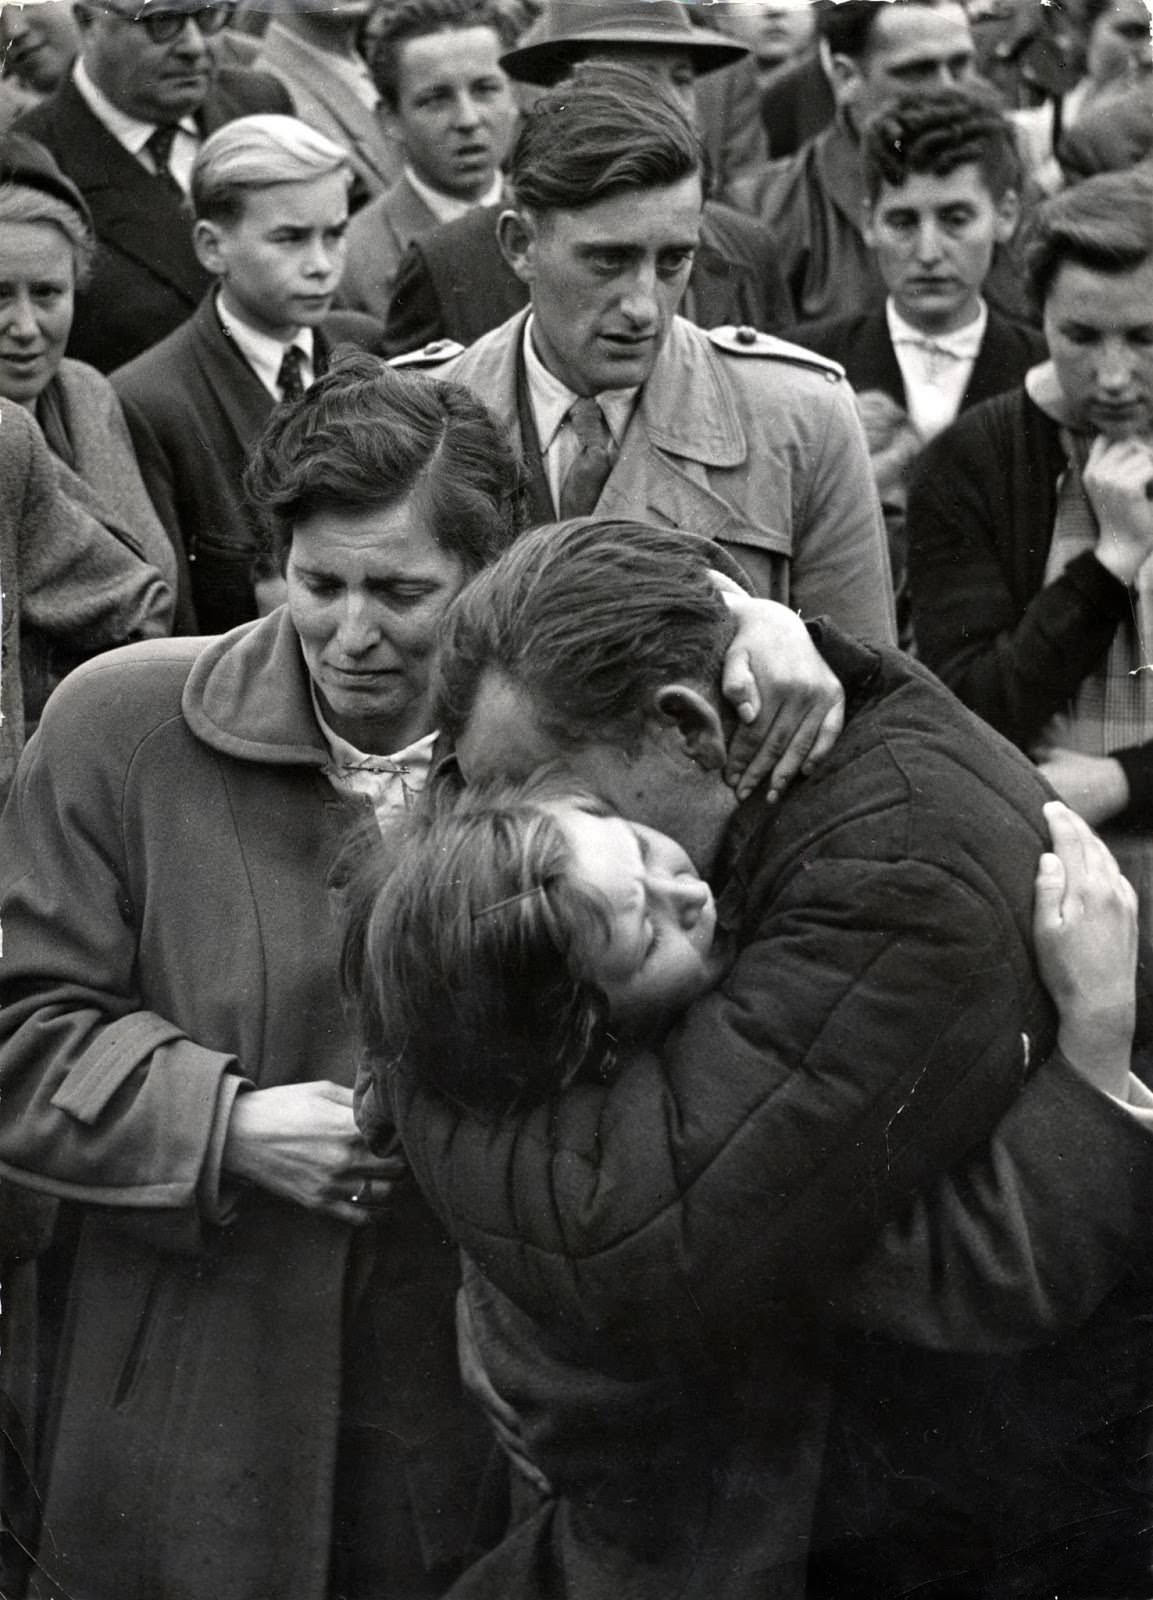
(749, 342)
(736, 234)
(354, 327)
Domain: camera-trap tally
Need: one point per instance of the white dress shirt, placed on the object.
(936, 367)
(133, 134)
(446, 207)
(551, 401)
(265, 354)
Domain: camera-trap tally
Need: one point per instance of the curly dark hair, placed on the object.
(364, 436)
(936, 131)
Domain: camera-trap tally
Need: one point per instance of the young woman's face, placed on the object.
(658, 952)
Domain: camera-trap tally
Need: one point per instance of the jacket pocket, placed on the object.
(137, 1353)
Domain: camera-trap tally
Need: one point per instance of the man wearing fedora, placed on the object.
(454, 283)
(624, 408)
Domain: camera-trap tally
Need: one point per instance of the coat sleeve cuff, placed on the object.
(216, 1197)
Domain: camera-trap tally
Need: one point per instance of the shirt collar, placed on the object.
(552, 400)
(964, 343)
(263, 353)
(128, 131)
(446, 207)
(388, 781)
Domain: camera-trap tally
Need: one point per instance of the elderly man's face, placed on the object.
(606, 281)
(652, 783)
(366, 591)
(150, 81)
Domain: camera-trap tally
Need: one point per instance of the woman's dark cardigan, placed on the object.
(980, 522)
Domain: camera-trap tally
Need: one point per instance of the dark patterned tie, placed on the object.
(159, 146)
(290, 378)
(592, 463)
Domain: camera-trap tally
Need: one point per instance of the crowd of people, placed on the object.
(576, 847)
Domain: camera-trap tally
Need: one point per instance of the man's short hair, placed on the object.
(604, 131)
(589, 618)
(847, 27)
(1104, 224)
(364, 437)
(416, 19)
(936, 131)
(255, 153)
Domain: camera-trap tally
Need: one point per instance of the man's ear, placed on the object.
(390, 124)
(868, 232)
(206, 241)
(516, 233)
(845, 79)
(1008, 216)
(697, 721)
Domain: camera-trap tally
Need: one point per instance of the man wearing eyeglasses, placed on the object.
(125, 126)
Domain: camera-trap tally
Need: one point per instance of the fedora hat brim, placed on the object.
(545, 61)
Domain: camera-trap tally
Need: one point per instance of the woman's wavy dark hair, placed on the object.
(936, 131)
(364, 437)
(1104, 224)
(463, 939)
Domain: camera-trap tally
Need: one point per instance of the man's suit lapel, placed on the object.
(132, 211)
(838, 165)
(242, 398)
(407, 216)
(540, 501)
(873, 361)
(685, 426)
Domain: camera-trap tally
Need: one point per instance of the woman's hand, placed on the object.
(300, 1141)
(1085, 933)
(1118, 478)
(502, 1418)
(1095, 787)
(789, 701)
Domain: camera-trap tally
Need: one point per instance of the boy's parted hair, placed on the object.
(606, 130)
(255, 153)
(364, 437)
(1104, 224)
(462, 949)
(936, 131)
(416, 19)
(589, 618)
